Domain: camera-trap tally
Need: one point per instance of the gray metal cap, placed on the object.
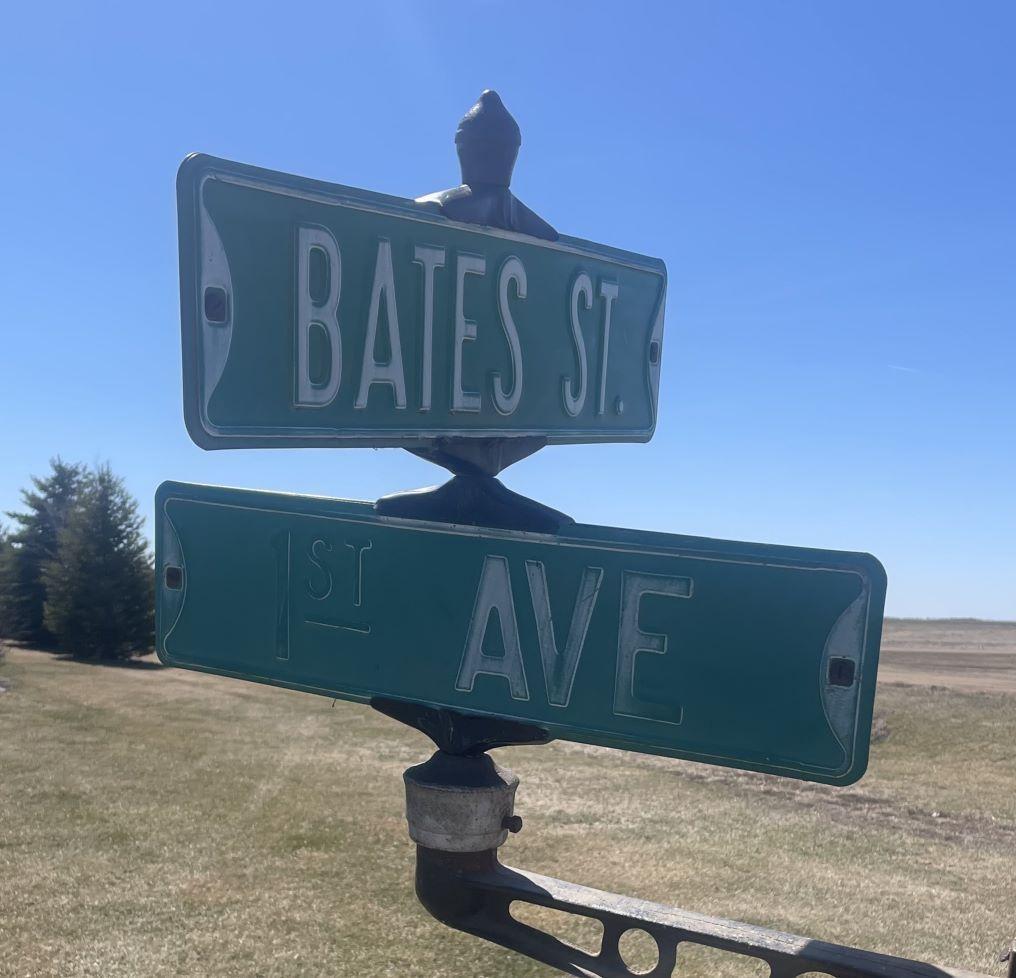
(460, 804)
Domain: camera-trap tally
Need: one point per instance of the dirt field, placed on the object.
(959, 654)
(161, 823)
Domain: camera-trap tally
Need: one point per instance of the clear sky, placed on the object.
(831, 185)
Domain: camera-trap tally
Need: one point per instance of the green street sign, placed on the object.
(741, 654)
(319, 315)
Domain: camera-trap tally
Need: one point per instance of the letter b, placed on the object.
(315, 310)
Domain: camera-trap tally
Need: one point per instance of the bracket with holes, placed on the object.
(475, 893)
(462, 807)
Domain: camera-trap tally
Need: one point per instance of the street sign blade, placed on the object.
(747, 655)
(319, 315)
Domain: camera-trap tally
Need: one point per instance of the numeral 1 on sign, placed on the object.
(282, 545)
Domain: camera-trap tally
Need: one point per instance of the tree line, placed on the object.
(76, 572)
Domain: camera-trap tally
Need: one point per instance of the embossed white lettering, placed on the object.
(511, 271)
(323, 315)
(608, 293)
(429, 258)
(465, 330)
(372, 372)
(559, 670)
(574, 400)
(494, 593)
(632, 642)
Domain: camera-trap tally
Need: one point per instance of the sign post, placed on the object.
(462, 327)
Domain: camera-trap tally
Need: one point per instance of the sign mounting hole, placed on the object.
(216, 304)
(841, 672)
(174, 578)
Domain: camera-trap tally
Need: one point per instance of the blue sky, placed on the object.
(831, 185)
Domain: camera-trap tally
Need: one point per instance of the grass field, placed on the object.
(155, 822)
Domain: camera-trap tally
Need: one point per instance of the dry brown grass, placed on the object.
(155, 823)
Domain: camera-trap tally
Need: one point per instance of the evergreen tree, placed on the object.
(100, 587)
(31, 545)
(5, 547)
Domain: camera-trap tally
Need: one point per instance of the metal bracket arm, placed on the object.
(460, 809)
(474, 893)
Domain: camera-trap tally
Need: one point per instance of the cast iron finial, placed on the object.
(487, 141)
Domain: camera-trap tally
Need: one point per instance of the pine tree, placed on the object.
(100, 586)
(5, 549)
(31, 545)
